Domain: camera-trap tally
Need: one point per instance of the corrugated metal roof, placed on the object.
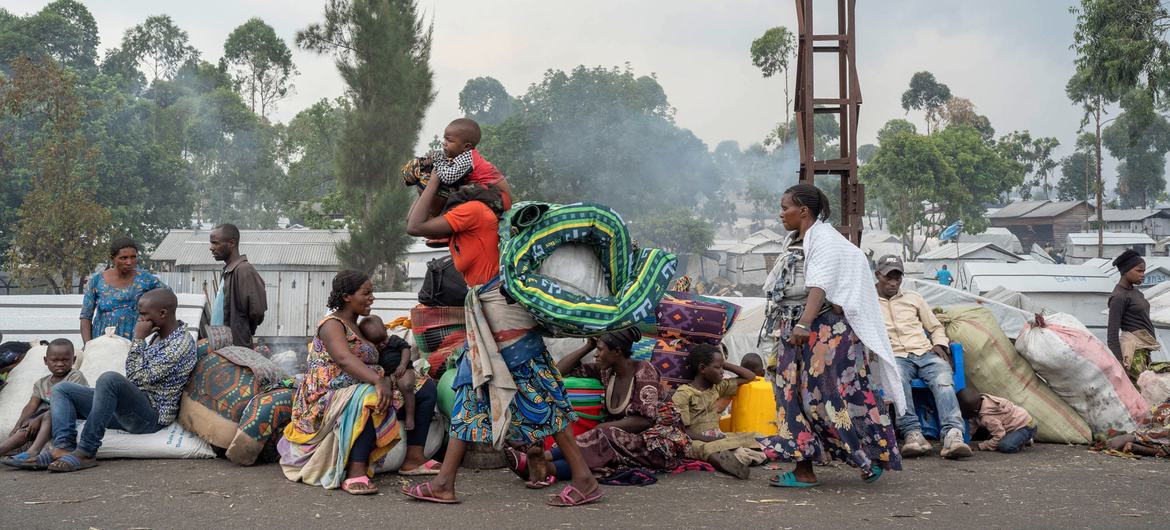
(1052, 209)
(47, 317)
(1032, 277)
(1110, 238)
(1121, 216)
(263, 247)
(1016, 209)
(949, 251)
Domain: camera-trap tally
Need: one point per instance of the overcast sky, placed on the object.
(1011, 58)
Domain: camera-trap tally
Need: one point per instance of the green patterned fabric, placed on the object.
(530, 232)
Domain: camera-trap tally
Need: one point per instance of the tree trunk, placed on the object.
(1100, 186)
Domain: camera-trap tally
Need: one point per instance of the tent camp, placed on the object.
(953, 255)
(1074, 289)
(1081, 247)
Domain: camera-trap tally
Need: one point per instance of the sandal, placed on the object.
(788, 480)
(15, 460)
(571, 496)
(541, 484)
(70, 463)
(517, 461)
(875, 473)
(430, 467)
(417, 492)
(359, 486)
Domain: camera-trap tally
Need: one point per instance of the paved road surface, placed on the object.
(1047, 487)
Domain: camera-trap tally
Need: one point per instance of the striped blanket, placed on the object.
(530, 232)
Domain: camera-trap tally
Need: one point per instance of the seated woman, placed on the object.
(637, 431)
(697, 404)
(343, 409)
(1150, 439)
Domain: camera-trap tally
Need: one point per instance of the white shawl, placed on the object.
(840, 269)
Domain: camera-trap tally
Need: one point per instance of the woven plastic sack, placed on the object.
(1082, 371)
(1155, 386)
(104, 353)
(995, 367)
(14, 396)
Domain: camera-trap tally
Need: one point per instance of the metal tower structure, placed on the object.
(845, 106)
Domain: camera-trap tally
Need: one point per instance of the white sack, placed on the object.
(19, 389)
(173, 441)
(104, 353)
(1155, 387)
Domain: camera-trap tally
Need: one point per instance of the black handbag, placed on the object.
(443, 285)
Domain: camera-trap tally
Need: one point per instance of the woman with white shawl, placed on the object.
(824, 314)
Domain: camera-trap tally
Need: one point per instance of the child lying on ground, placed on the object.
(1011, 427)
(35, 424)
(730, 453)
(458, 163)
(394, 358)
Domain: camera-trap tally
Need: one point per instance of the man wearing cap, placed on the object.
(920, 356)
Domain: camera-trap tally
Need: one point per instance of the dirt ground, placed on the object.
(1046, 487)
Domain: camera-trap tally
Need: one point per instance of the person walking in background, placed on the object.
(111, 296)
(240, 302)
(1130, 332)
(944, 276)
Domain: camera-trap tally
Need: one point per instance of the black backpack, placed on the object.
(443, 285)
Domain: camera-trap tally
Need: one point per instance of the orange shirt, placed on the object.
(475, 242)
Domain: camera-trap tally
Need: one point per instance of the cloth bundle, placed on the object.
(229, 407)
(438, 332)
(530, 232)
(681, 321)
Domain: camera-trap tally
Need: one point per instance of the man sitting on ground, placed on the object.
(143, 401)
(907, 315)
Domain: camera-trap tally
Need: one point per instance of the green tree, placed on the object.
(893, 127)
(261, 64)
(485, 100)
(676, 230)
(382, 49)
(309, 148)
(926, 94)
(67, 32)
(908, 175)
(1034, 155)
(60, 229)
(1140, 139)
(772, 53)
(961, 111)
(1078, 182)
(159, 46)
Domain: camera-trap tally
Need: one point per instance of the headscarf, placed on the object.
(622, 340)
(1127, 261)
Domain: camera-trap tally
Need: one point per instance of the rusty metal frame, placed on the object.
(846, 106)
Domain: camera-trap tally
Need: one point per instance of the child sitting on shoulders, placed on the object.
(697, 403)
(394, 358)
(458, 163)
(35, 424)
(1011, 427)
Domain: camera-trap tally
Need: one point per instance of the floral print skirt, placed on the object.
(826, 407)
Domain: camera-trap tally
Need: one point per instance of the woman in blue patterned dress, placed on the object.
(111, 296)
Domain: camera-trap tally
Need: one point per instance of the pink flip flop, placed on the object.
(424, 492)
(541, 484)
(431, 467)
(571, 496)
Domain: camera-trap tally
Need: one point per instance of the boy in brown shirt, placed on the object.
(1011, 427)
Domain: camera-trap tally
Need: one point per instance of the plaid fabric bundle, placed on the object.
(438, 332)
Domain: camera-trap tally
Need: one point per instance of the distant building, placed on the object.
(1081, 247)
(1154, 223)
(1043, 222)
(749, 261)
(297, 266)
(1078, 290)
(955, 255)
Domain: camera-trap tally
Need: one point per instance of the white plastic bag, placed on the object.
(105, 353)
(1155, 387)
(577, 269)
(1082, 371)
(19, 389)
(397, 454)
(173, 441)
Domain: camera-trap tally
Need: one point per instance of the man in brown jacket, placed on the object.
(240, 302)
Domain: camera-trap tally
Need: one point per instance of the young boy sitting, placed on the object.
(394, 358)
(1011, 427)
(35, 424)
(456, 164)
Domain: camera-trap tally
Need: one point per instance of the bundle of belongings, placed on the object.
(238, 400)
(681, 321)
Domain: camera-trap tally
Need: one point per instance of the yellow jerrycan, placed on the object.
(754, 408)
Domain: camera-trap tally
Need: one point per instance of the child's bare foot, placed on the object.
(408, 423)
(537, 465)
